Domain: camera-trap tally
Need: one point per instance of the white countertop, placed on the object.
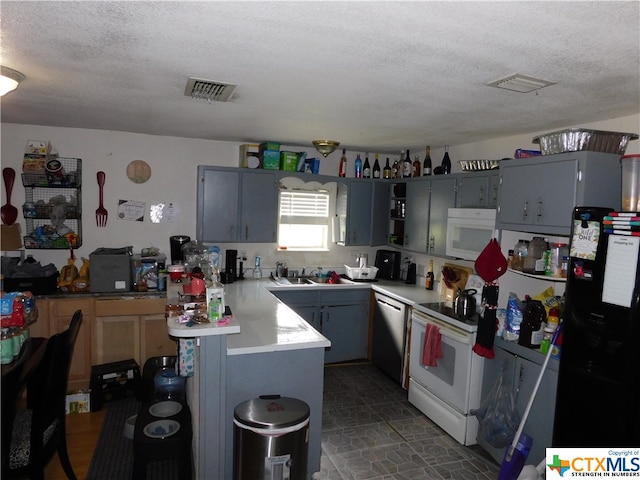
(262, 323)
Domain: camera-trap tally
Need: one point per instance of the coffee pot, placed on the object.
(465, 304)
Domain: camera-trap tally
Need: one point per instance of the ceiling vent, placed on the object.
(209, 90)
(520, 83)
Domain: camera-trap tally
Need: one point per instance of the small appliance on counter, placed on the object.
(110, 270)
(176, 242)
(388, 264)
(147, 270)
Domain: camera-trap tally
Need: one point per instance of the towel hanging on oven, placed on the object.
(432, 348)
(490, 265)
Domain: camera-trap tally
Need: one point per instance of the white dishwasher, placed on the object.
(389, 336)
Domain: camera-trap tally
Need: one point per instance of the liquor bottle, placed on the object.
(358, 165)
(407, 166)
(376, 168)
(446, 161)
(387, 172)
(416, 167)
(395, 169)
(429, 279)
(366, 170)
(343, 164)
(427, 162)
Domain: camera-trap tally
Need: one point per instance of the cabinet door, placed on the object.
(539, 424)
(154, 338)
(443, 197)
(310, 314)
(416, 224)
(359, 213)
(494, 183)
(258, 207)
(116, 339)
(347, 327)
(490, 376)
(61, 312)
(473, 191)
(41, 327)
(380, 213)
(217, 207)
(538, 195)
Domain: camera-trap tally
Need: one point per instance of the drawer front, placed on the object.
(67, 307)
(297, 297)
(133, 306)
(347, 296)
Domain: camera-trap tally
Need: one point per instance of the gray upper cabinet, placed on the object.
(236, 206)
(538, 195)
(416, 220)
(258, 207)
(443, 197)
(477, 190)
(380, 213)
(353, 209)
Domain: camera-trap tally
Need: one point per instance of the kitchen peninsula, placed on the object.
(267, 349)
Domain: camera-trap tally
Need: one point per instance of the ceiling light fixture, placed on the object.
(9, 80)
(520, 83)
(325, 147)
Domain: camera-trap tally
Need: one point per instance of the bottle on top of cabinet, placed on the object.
(376, 168)
(407, 166)
(366, 169)
(343, 164)
(446, 161)
(387, 171)
(416, 167)
(358, 167)
(426, 170)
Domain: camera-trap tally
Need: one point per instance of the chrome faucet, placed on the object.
(303, 271)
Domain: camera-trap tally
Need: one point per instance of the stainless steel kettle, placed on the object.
(465, 304)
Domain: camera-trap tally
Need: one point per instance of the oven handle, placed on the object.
(446, 330)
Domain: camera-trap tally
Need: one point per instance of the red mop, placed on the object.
(517, 453)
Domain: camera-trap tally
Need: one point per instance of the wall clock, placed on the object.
(138, 171)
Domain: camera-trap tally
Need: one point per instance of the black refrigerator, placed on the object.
(598, 399)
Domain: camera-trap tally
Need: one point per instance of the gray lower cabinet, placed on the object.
(538, 194)
(236, 206)
(523, 367)
(340, 315)
(477, 190)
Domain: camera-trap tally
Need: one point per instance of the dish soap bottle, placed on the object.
(215, 298)
(257, 271)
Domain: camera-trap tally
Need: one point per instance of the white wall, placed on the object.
(173, 162)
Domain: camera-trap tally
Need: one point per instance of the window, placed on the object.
(303, 223)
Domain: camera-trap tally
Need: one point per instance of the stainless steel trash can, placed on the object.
(271, 439)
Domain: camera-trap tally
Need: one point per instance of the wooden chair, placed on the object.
(12, 383)
(39, 430)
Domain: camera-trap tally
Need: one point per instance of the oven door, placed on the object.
(451, 379)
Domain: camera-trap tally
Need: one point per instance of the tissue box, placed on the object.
(270, 159)
(289, 161)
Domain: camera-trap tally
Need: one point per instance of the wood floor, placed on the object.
(83, 430)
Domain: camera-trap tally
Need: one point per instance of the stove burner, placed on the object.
(446, 308)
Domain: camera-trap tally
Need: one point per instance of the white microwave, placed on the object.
(469, 231)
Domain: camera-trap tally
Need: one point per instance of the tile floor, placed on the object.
(371, 431)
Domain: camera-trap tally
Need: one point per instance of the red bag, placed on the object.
(491, 263)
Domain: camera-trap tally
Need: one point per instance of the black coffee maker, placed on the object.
(176, 242)
(230, 269)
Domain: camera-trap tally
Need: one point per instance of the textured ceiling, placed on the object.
(372, 75)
